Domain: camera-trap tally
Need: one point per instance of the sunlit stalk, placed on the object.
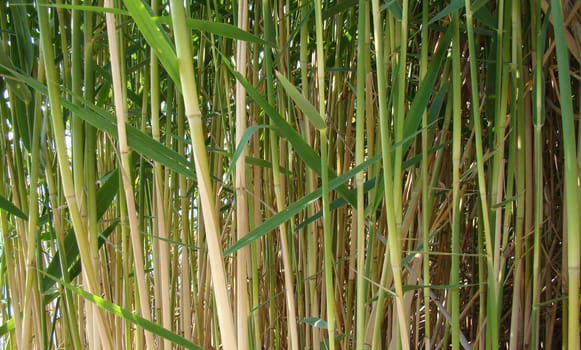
(492, 287)
(360, 313)
(190, 96)
(242, 212)
(393, 251)
(65, 171)
(121, 114)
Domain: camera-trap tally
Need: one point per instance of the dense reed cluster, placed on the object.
(338, 174)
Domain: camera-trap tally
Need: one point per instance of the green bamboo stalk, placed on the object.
(31, 315)
(571, 175)
(426, 196)
(11, 261)
(276, 185)
(66, 176)
(121, 113)
(188, 283)
(328, 239)
(312, 245)
(78, 156)
(360, 313)
(255, 210)
(538, 121)
(497, 174)
(393, 205)
(161, 247)
(492, 286)
(456, 200)
(188, 85)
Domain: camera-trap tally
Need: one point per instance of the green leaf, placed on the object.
(156, 37)
(88, 8)
(452, 6)
(6, 68)
(7, 327)
(304, 105)
(394, 7)
(22, 47)
(225, 30)
(426, 89)
(287, 213)
(240, 147)
(7, 205)
(136, 139)
(316, 322)
(74, 264)
(128, 315)
(105, 195)
(303, 150)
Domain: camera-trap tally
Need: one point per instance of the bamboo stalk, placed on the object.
(571, 186)
(189, 90)
(456, 200)
(121, 113)
(242, 212)
(426, 195)
(393, 252)
(492, 287)
(67, 181)
(360, 313)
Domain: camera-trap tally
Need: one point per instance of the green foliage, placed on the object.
(410, 174)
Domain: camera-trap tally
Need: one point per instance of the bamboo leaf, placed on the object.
(316, 322)
(240, 147)
(394, 7)
(452, 6)
(105, 195)
(414, 116)
(127, 315)
(287, 213)
(303, 150)
(6, 66)
(22, 50)
(74, 264)
(7, 205)
(137, 140)
(7, 327)
(88, 8)
(225, 30)
(304, 105)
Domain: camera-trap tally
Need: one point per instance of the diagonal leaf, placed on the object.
(394, 7)
(7, 327)
(88, 8)
(287, 213)
(316, 322)
(72, 254)
(452, 6)
(240, 147)
(225, 30)
(304, 105)
(127, 315)
(137, 140)
(426, 89)
(285, 129)
(155, 36)
(105, 195)
(7, 205)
